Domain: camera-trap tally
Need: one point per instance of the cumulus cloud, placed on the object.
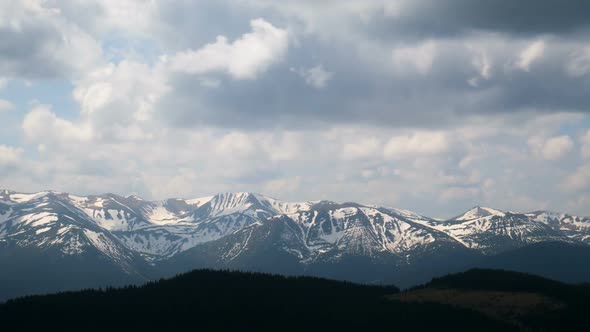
(43, 126)
(288, 165)
(419, 143)
(244, 58)
(552, 148)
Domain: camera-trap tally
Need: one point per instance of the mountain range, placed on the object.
(51, 241)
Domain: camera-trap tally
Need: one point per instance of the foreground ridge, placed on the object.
(229, 301)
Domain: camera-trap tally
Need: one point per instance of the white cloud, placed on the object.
(121, 93)
(530, 54)
(553, 148)
(316, 77)
(419, 57)
(10, 155)
(5, 105)
(244, 58)
(42, 126)
(419, 143)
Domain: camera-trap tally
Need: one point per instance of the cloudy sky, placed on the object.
(433, 106)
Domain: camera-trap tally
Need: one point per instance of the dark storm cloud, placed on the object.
(431, 18)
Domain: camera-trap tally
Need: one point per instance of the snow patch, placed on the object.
(199, 201)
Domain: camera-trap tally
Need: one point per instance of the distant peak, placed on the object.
(479, 212)
(135, 197)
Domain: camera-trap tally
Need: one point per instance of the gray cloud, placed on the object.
(376, 93)
(38, 43)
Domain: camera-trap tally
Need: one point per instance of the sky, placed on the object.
(432, 106)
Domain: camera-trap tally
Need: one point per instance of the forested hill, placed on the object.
(529, 302)
(205, 300)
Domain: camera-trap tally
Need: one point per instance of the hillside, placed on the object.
(231, 301)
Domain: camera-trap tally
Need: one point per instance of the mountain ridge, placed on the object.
(250, 231)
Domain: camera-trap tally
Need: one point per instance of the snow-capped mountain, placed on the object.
(328, 231)
(175, 225)
(250, 231)
(574, 227)
(492, 231)
(48, 221)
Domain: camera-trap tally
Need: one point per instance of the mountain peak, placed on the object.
(230, 202)
(479, 212)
